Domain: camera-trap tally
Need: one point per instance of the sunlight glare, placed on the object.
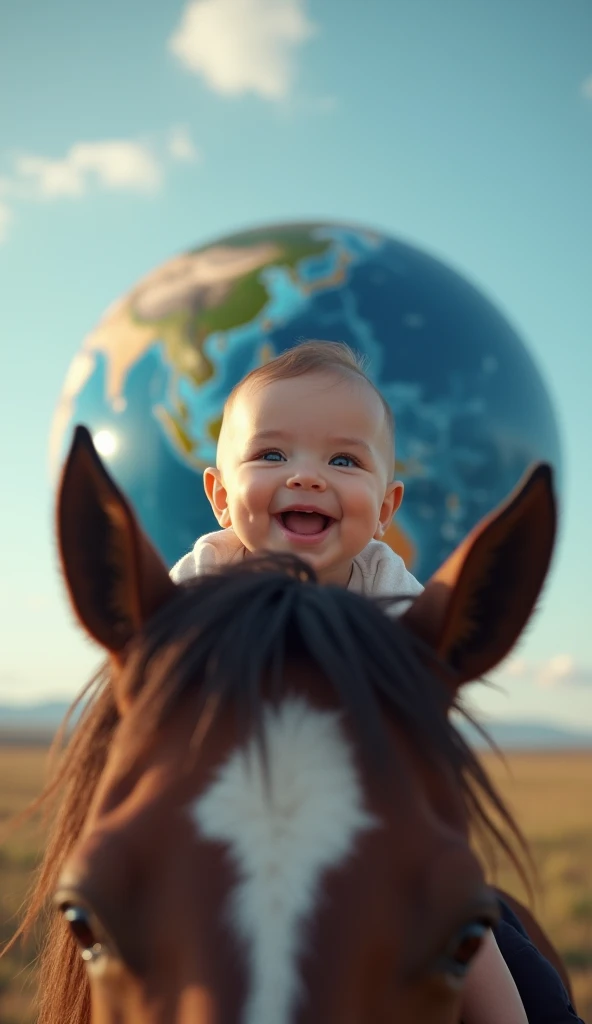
(105, 442)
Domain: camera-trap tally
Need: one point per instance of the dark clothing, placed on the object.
(541, 989)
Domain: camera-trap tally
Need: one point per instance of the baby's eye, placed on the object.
(342, 460)
(272, 456)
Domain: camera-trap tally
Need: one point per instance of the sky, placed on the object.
(131, 132)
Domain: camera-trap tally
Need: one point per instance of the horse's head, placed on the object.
(280, 828)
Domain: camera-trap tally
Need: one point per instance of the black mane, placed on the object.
(226, 637)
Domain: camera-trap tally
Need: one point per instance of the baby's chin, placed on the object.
(328, 570)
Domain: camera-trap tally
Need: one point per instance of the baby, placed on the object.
(305, 464)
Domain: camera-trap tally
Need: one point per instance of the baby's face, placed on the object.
(305, 466)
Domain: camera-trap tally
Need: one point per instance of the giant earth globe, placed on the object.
(150, 381)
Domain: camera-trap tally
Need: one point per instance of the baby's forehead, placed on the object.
(285, 405)
(284, 395)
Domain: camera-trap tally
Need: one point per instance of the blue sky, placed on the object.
(130, 132)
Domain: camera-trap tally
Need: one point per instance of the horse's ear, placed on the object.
(477, 604)
(115, 578)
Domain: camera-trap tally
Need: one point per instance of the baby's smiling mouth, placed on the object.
(303, 522)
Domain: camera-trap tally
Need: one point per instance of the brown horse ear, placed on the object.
(115, 578)
(475, 606)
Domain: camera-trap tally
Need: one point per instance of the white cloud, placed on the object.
(104, 165)
(241, 46)
(587, 87)
(111, 164)
(10, 678)
(560, 671)
(563, 670)
(5, 218)
(182, 147)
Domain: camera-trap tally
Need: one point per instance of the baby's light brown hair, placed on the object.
(313, 357)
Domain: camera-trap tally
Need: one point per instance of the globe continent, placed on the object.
(150, 381)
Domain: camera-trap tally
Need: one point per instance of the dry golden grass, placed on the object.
(549, 794)
(21, 779)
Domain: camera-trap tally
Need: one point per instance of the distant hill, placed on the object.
(30, 724)
(48, 715)
(528, 735)
(38, 722)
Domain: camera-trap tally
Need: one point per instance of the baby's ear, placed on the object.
(391, 503)
(216, 495)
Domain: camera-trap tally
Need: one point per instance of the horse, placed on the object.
(265, 806)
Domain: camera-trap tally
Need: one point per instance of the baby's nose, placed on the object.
(306, 480)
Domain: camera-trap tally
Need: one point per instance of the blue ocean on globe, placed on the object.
(471, 408)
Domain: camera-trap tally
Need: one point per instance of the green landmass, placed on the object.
(248, 295)
(214, 427)
(179, 436)
(184, 333)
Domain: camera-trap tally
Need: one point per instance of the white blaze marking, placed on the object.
(281, 842)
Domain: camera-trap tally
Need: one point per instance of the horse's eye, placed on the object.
(464, 948)
(80, 925)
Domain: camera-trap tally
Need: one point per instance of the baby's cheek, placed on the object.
(252, 495)
(365, 507)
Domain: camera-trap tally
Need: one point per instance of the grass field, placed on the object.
(550, 795)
